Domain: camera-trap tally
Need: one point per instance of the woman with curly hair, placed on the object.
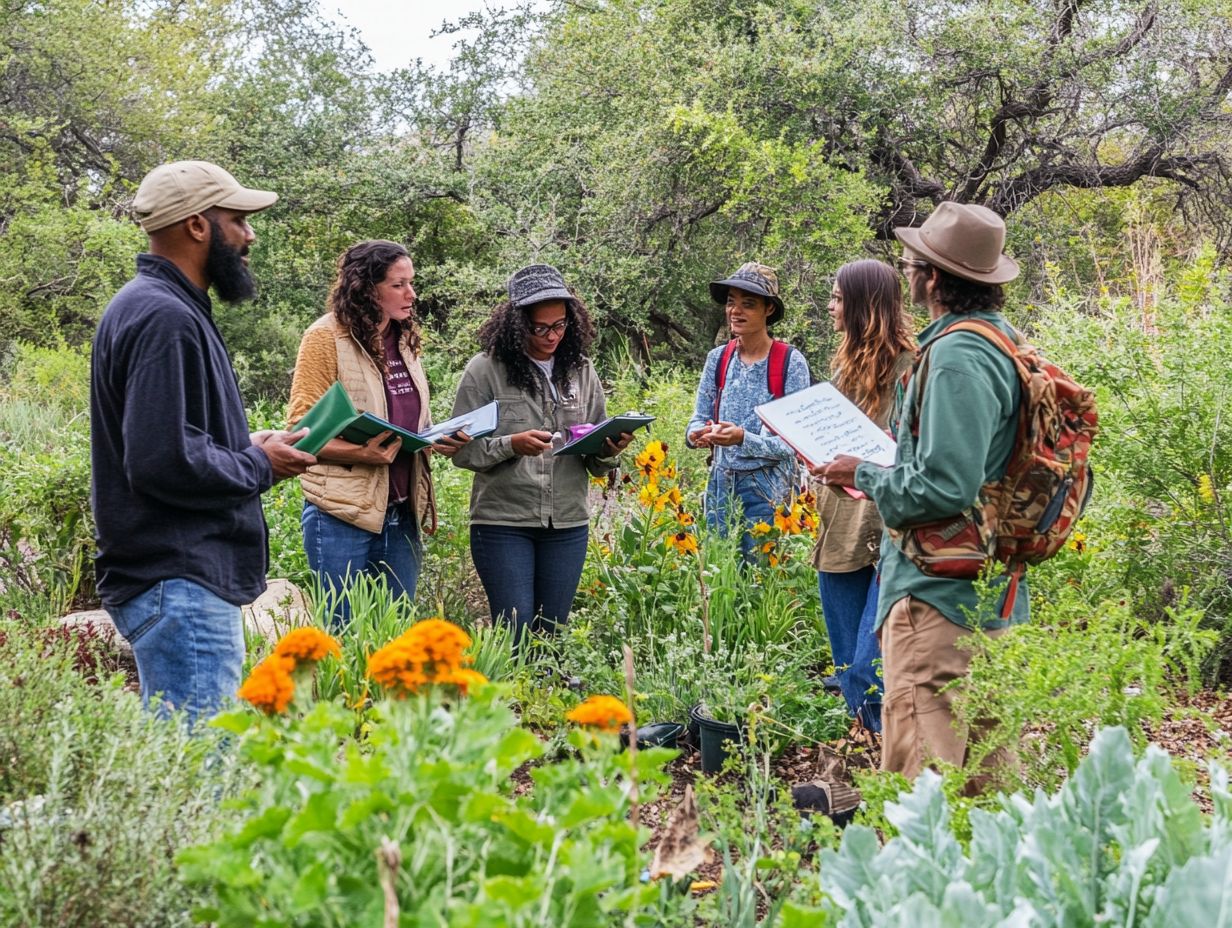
(529, 511)
(364, 505)
(877, 348)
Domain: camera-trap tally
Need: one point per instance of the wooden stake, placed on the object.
(635, 812)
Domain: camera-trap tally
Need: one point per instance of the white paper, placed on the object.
(476, 423)
(820, 424)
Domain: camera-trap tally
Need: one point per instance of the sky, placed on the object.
(398, 32)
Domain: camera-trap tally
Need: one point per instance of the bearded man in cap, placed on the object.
(176, 477)
(952, 440)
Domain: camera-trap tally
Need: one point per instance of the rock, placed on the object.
(271, 615)
(100, 622)
(279, 609)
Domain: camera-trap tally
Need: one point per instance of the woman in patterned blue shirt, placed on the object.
(749, 463)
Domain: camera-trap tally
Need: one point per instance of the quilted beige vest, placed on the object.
(358, 494)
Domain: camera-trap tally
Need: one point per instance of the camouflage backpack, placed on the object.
(1027, 515)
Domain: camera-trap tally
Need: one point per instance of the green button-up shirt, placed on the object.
(967, 425)
(543, 490)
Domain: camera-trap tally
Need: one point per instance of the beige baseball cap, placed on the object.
(175, 191)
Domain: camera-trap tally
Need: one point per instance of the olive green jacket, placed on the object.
(543, 490)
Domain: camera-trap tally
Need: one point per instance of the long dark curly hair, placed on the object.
(352, 299)
(505, 334)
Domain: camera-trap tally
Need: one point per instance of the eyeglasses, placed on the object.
(906, 264)
(556, 328)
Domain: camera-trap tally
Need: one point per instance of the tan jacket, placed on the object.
(849, 536)
(357, 494)
(542, 490)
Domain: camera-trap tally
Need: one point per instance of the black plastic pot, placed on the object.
(655, 735)
(713, 736)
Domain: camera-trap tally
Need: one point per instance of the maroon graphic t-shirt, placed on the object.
(403, 402)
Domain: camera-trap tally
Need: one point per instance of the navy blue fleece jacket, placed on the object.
(176, 482)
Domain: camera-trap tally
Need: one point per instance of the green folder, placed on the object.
(335, 416)
(593, 441)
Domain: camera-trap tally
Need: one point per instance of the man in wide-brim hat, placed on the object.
(955, 267)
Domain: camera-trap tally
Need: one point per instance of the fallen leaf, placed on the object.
(681, 851)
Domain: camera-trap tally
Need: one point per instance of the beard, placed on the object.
(226, 271)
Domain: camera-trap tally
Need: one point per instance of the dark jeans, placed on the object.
(849, 604)
(529, 574)
(338, 551)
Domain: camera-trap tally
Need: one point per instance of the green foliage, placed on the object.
(1164, 456)
(46, 529)
(434, 781)
(96, 794)
(1122, 842)
(1074, 668)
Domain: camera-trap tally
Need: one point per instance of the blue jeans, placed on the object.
(758, 492)
(338, 551)
(529, 574)
(849, 604)
(189, 646)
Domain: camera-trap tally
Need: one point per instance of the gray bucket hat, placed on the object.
(537, 283)
(753, 278)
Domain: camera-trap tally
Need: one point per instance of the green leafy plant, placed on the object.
(96, 794)
(430, 783)
(1122, 842)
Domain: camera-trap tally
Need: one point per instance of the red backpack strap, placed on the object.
(776, 371)
(720, 374)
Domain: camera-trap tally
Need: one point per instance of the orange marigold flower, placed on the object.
(307, 644)
(606, 713)
(430, 651)
(269, 686)
(760, 528)
(684, 542)
(464, 679)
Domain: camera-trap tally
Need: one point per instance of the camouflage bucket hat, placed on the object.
(752, 278)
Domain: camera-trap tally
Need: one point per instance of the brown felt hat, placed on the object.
(175, 191)
(965, 240)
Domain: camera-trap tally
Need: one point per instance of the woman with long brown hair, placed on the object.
(876, 350)
(364, 505)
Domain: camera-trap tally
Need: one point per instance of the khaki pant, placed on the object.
(919, 657)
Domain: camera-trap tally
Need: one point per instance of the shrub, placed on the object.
(1076, 667)
(1164, 454)
(96, 795)
(1121, 843)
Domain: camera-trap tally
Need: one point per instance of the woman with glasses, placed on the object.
(876, 350)
(529, 511)
(364, 505)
